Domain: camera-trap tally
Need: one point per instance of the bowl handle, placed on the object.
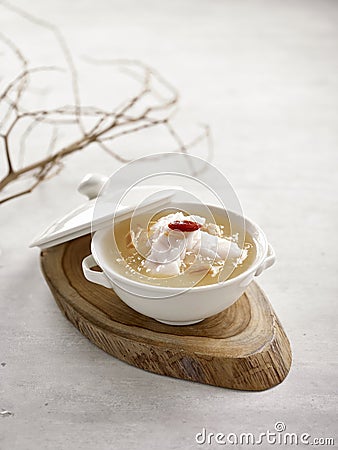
(92, 275)
(268, 261)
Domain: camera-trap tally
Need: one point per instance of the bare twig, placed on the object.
(152, 106)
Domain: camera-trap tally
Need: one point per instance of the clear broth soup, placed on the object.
(126, 260)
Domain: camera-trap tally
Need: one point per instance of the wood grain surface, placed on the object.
(244, 347)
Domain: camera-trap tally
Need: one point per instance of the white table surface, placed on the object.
(264, 76)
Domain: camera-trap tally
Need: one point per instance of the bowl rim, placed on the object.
(253, 267)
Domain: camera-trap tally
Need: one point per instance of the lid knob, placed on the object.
(91, 185)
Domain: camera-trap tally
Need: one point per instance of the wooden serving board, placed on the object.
(243, 347)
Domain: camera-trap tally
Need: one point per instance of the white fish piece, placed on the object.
(217, 248)
(199, 265)
(139, 239)
(168, 248)
(227, 249)
(213, 228)
(208, 245)
(161, 225)
(191, 238)
(198, 219)
(167, 269)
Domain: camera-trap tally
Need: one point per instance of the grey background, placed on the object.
(263, 74)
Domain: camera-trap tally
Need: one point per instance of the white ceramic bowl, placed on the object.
(175, 306)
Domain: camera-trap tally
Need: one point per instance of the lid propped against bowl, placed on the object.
(80, 221)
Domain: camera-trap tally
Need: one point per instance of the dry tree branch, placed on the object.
(153, 106)
(24, 64)
(63, 46)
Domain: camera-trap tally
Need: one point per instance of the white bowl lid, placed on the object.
(80, 221)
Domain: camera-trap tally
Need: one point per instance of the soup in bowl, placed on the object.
(180, 265)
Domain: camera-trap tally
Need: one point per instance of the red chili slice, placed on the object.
(184, 225)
